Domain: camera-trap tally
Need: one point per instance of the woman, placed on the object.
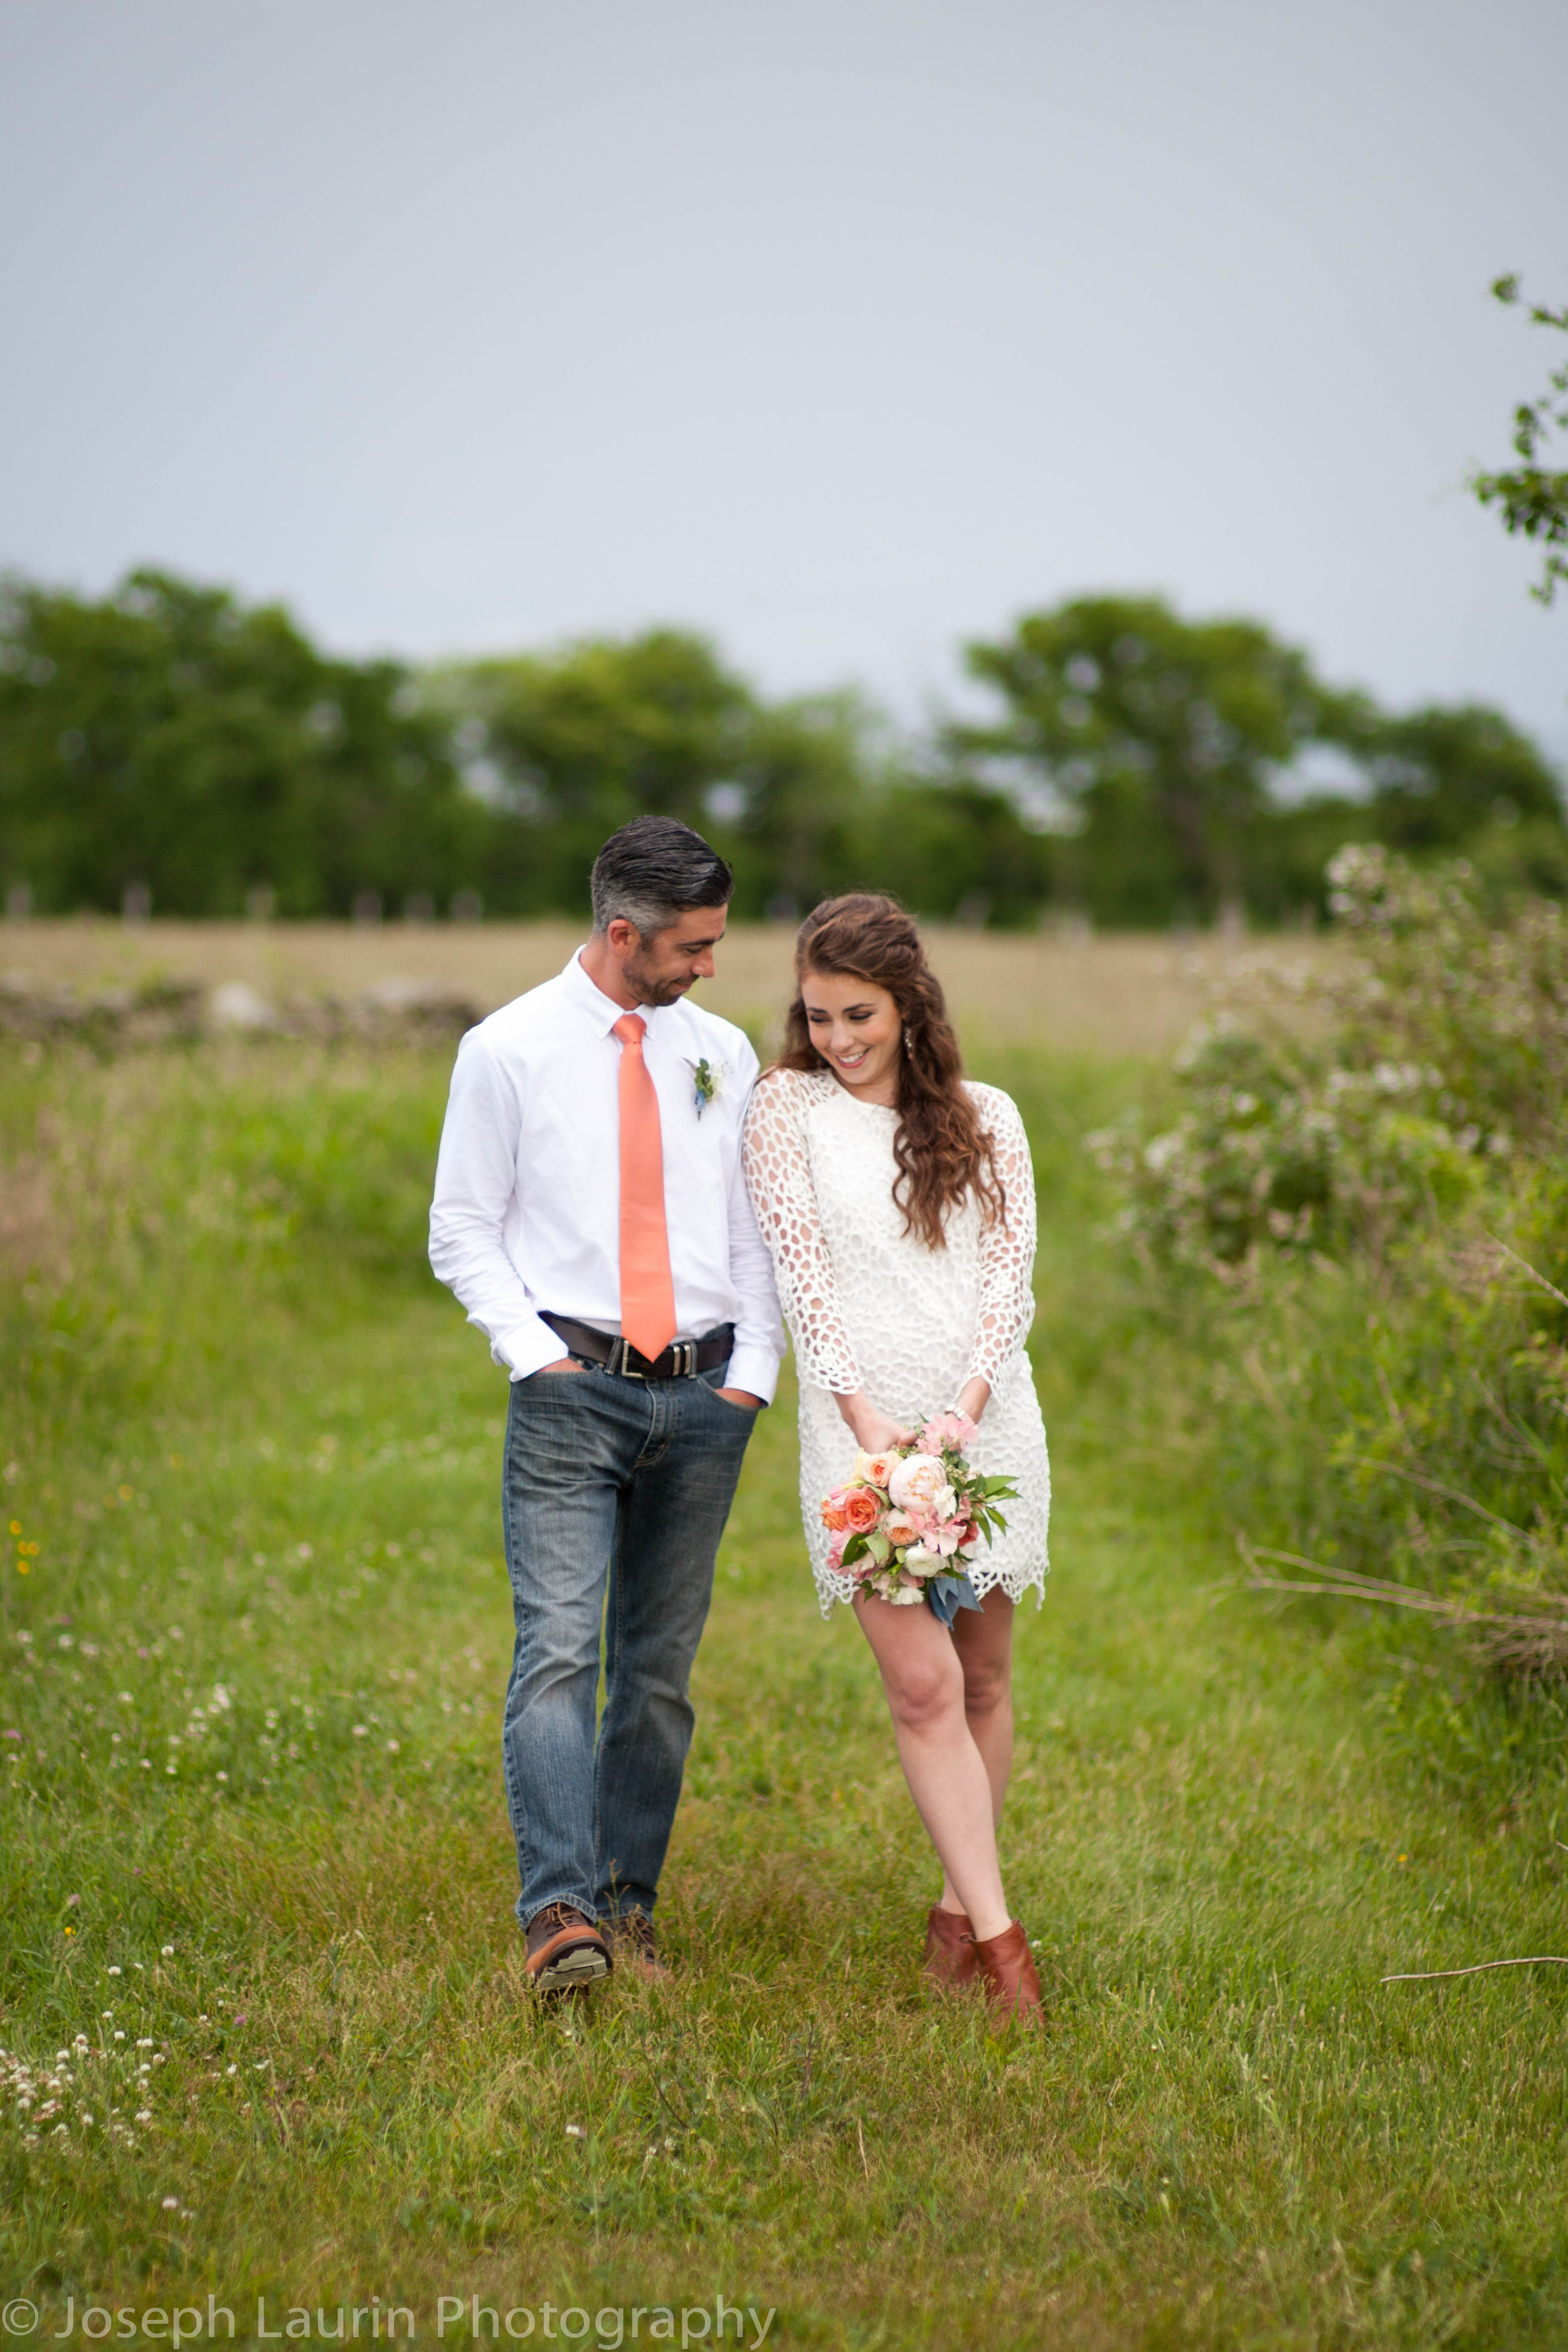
(898, 1200)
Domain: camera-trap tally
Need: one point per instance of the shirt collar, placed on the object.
(602, 1009)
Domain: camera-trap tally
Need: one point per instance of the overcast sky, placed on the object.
(841, 330)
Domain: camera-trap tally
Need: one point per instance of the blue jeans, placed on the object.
(615, 1496)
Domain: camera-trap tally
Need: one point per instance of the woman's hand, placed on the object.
(973, 1397)
(875, 1431)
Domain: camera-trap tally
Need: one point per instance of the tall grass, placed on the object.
(255, 1826)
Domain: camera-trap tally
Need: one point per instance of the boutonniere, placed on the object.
(708, 1082)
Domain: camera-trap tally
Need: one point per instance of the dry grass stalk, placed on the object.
(1530, 1646)
(1476, 1968)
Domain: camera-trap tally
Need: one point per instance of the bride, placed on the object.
(898, 1200)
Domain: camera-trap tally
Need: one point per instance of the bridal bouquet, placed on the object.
(906, 1523)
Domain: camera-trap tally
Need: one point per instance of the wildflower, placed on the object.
(114, 1972)
(170, 2204)
(393, 1746)
(359, 1731)
(168, 1951)
(220, 1776)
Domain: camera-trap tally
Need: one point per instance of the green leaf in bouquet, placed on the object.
(856, 1549)
(877, 1544)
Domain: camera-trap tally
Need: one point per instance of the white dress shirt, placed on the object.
(528, 1187)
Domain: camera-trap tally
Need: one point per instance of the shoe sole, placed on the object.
(575, 1970)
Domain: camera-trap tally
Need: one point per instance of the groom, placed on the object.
(591, 1215)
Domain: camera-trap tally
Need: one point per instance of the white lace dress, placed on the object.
(869, 1306)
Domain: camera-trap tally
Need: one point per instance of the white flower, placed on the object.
(707, 1081)
(918, 1481)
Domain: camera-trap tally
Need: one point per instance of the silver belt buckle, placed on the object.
(623, 1349)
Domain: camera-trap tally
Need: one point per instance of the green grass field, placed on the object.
(257, 1877)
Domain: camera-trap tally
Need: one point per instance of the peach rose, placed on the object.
(862, 1509)
(833, 1513)
(875, 1469)
(899, 1529)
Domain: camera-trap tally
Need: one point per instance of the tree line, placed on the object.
(168, 745)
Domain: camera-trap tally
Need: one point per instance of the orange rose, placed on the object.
(862, 1509)
(833, 1515)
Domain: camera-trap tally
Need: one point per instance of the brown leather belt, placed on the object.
(681, 1361)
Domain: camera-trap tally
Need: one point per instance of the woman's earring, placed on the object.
(908, 1044)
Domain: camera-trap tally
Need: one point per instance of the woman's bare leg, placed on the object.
(925, 1682)
(985, 1646)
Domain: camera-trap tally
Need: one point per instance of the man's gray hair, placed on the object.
(652, 871)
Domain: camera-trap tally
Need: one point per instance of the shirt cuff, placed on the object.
(753, 1369)
(527, 1347)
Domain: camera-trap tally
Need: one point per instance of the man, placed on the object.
(591, 1215)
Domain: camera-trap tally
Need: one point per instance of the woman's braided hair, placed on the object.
(942, 1152)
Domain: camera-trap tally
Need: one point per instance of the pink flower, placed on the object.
(835, 1544)
(832, 1512)
(901, 1528)
(954, 1429)
(862, 1509)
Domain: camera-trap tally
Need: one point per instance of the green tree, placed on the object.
(806, 797)
(168, 737)
(567, 746)
(1159, 738)
(1533, 498)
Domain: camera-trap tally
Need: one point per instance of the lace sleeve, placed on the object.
(1006, 1250)
(778, 1171)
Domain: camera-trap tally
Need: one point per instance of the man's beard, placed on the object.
(647, 987)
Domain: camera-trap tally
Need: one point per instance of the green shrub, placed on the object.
(1377, 1178)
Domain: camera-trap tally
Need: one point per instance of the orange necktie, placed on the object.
(647, 1293)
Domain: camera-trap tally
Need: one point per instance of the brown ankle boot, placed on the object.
(949, 1947)
(1006, 1968)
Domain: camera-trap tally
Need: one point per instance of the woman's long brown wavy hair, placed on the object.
(942, 1151)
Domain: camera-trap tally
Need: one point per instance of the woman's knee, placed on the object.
(923, 1692)
(987, 1685)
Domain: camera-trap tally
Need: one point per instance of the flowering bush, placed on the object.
(1441, 1049)
(906, 1521)
(1390, 1382)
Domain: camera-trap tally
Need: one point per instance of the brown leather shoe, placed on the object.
(566, 1953)
(1006, 1968)
(635, 1947)
(949, 1947)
